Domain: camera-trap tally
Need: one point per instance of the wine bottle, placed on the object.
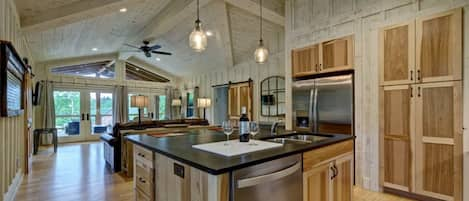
(244, 126)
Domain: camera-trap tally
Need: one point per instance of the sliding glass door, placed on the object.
(82, 115)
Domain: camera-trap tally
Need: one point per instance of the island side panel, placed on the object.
(195, 185)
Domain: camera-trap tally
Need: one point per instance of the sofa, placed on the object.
(119, 153)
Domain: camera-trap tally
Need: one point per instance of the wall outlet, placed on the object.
(179, 170)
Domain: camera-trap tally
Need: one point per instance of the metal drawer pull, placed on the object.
(142, 180)
(253, 181)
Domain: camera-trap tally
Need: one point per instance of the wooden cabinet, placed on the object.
(439, 140)
(397, 54)
(239, 96)
(144, 174)
(329, 56)
(337, 55)
(327, 173)
(439, 46)
(305, 61)
(421, 139)
(428, 49)
(397, 130)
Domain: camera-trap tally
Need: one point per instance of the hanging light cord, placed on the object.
(260, 19)
(198, 20)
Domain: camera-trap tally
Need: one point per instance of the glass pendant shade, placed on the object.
(261, 54)
(198, 39)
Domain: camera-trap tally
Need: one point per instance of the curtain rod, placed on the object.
(112, 85)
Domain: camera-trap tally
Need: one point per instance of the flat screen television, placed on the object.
(268, 99)
(37, 93)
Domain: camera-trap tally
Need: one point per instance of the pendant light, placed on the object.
(198, 39)
(261, 54)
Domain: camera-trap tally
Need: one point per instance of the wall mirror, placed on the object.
(273, 96)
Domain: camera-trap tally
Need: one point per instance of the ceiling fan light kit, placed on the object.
(262, 53)
(198, 39)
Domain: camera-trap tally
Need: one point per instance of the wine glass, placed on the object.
(253, 130)
(228, 130)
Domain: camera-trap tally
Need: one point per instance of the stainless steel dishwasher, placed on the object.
(277, 180)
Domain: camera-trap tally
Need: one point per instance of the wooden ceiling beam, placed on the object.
(74, 12)
(253, 8)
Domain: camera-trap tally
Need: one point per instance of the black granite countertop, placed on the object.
(180, 148)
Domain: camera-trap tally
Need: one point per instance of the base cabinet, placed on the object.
(328, 173)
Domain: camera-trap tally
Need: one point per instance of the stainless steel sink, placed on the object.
(299, 138)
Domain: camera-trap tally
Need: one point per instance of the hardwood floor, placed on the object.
(78, 173)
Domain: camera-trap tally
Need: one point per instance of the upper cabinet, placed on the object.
(397, 54)
(329, 56)
(337, 55)
(305, 61)
(428, 49)
(439, 46)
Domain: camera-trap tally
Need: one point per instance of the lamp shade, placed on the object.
(176, 102)
(139, 101)
(204, 102)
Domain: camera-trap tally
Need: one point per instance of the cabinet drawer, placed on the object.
(143, 155)
(318, 156)
(140, 196)
(144, 178)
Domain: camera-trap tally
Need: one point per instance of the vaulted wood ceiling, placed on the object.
(57, 29)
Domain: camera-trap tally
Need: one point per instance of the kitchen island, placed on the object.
(170, 169)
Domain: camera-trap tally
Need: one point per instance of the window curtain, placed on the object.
(196, 96)
(168, 111)
(120, 104)
(48, 118)
(157, 108)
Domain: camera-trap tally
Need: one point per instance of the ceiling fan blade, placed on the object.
(159, 52)
(155, 47)
(128, 45)
(132, 51)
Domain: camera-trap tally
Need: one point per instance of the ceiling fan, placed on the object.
(147, 50)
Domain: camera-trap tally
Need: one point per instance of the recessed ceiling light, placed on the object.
(209, 33)
(94, 49)
(158, 59)
(137, 69)
(123, 10)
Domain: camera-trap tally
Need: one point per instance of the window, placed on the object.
(190, 105)
(133, 72)
(133, 111)
(100, 111)
(67, 112)
(162, 108)
(103, 69)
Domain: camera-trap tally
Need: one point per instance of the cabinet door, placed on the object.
(317, 183)
(342, 181)
(439, 46)
(439, 140)
(397, 131)
(233, 102)
(305, 61)
(337, 55)
(397, 54)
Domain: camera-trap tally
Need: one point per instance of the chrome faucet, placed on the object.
(273, 129)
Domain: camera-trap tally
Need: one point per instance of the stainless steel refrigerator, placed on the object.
(324, 105)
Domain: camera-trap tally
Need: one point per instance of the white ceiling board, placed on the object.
(184, 60)
(245, 34)
(107, 33)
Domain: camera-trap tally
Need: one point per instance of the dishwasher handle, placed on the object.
(253, 181)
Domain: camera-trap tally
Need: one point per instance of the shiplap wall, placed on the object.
(312, 21)
(237, 73)
(11, 129)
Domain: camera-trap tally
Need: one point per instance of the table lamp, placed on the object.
(204, 103)
(139, 101)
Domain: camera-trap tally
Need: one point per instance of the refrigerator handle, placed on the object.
(314, 110)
